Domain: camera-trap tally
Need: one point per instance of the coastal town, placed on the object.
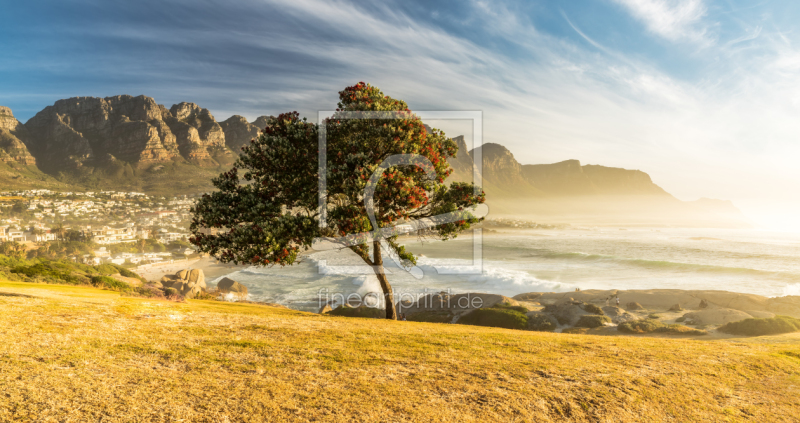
(124, 228)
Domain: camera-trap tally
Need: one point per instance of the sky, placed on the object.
(702, 95)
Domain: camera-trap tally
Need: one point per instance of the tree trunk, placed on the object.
(388, 295)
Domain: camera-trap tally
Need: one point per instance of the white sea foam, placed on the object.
(793, 289)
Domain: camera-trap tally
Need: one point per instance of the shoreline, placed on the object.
(211, 267)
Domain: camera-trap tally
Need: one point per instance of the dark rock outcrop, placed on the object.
(12, 140)
(186, 282)
(239, 132)
(228, 285)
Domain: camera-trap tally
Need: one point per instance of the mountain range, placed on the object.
(133, 143)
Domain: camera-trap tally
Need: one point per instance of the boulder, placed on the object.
(227, 285)
(169, 280)
(703, 304)
(196, 277)
(191, 291)
(181, 286)
(718, 316)
(676, 308)
(183, 274)
(325, 309)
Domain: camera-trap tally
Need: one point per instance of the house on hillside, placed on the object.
(108, 235)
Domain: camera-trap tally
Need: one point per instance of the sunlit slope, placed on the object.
(84, 354)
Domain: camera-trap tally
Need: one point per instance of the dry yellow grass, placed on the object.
(80, 354)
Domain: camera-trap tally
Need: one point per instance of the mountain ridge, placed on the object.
(133, 143)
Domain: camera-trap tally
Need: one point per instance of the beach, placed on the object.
(212, 268)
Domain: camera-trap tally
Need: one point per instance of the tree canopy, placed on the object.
(266, 208)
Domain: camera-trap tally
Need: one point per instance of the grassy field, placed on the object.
(80, 354)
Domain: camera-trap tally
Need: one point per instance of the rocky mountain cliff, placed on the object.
(570, 192)
(84, 131)
(12, 134)
(133, 143)
(504, 176)
(238, 131)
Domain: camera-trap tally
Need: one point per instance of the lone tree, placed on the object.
(266, 209)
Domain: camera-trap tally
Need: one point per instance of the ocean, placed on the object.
(748, 261)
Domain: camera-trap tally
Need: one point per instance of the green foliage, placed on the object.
(593, 309)
(640, 326)
(264, 211)
(759, 327)
(112, 284)
(508, 306)
(495, 317)
(112, 269)
(592, 321)
(12, 249)
(363, 311)
(431, 316)
(59, 271)
(654, 326)
(541, 323)
(54, 250)
(52, 272)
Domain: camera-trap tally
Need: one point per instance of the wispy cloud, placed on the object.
(550, 90)
(675, 20)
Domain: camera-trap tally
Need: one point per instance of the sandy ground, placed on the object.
(212, 269)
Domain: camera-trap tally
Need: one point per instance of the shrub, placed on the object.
(129, 274)
(676, 329)
(496, 318)
(362, 311)
(592, 321)
(53, 272)
(639, 326)
(111, 269)
(575, 331)
(507, 306)
(593, 309)
(765, 326)
(541, 323)
(112, 284)
(431, 316)
(654, 326)
(106, 269)
(147, 291)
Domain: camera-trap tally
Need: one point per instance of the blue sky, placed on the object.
(703, 95)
